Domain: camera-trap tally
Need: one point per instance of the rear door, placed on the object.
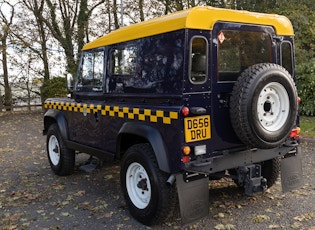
(235, 47)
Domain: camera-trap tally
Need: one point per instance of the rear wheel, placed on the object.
(149, 198)
(270, 170)
(61, 159)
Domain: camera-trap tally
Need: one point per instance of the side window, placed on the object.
(123, 61)
(150, 65)
(91, 72)
(122, 68)
(287, 57)
(238, 50)
(198, 62)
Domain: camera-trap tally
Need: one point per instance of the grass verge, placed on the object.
(307, 125)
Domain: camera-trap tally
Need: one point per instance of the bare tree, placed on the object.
(37, 9)
(6, 17)
(68, 23)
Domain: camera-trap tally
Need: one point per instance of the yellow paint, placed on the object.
(200, 17)
(115, 111)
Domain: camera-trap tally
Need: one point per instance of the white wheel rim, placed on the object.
(138, 185)
(273, 106)
(54, 150)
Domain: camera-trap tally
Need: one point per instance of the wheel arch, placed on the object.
(134, 133)
(56, 116)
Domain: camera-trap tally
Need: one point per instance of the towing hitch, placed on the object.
(250, 178)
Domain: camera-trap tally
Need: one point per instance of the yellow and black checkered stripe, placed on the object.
(116, 111)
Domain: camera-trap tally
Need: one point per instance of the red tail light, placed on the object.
(295, 133)
(185, 111)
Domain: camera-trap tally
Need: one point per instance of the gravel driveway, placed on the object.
(32, 197)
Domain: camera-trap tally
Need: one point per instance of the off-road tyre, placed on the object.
(263, 105)
(149, 198)
(61, 158)
(270, 170)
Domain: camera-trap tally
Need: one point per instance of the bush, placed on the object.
(306, 87)
(54, 87)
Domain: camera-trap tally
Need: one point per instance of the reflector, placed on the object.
(185, 159)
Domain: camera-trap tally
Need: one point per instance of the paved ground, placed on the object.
(32, 197)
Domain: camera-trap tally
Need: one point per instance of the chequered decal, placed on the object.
(115, 111)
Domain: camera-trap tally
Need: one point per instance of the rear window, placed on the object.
(198, 62)
(237, 50)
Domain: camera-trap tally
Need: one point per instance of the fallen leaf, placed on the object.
(80, 193)
(109, 214)
(230, 227)
(221, 215)
(65, 214)
(261, 218)
(219, 227)
(108, 177)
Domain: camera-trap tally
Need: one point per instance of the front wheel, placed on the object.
(61, 159)
(149, 198)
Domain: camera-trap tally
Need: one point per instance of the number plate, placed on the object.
(197, 128)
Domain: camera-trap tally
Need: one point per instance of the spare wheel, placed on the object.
(263, 105)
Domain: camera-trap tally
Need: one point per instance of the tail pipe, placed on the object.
(171, 179)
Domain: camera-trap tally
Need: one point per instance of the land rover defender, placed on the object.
(196, 95)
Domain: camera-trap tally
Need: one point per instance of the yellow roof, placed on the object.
(200, 17)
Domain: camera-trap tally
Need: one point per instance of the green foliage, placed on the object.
(307, 125)
(54, 87)
(302, 17)
(306, 87)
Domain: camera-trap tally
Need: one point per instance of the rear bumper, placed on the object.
(236, 159)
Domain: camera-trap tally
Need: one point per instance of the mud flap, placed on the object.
(291, 171)
(193, 198)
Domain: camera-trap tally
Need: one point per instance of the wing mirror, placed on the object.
(70, 82)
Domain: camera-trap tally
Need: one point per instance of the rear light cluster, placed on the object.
(186, 150)
(295, 133)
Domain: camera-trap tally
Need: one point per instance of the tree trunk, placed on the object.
(141, 10)
(41, 29)
(7, 88)
(116, 22)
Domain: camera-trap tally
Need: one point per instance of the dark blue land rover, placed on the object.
(199, 94)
